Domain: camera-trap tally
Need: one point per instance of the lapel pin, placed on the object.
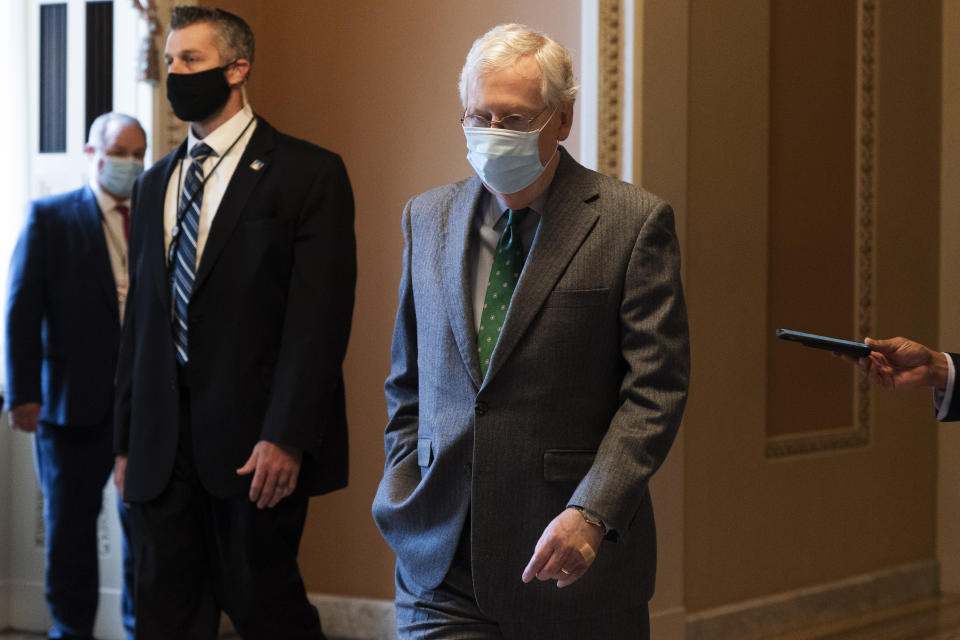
(256, 165)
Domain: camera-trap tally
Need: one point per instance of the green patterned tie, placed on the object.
(507, 263)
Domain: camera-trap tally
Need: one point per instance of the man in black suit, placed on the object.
(68, 284)
(230, 399)
(899, 363)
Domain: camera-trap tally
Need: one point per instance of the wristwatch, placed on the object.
(591, 519)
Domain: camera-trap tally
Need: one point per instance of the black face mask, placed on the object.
(194, 97)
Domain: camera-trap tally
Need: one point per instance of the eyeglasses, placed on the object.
(514, 122)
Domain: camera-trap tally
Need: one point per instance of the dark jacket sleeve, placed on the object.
(25, 315)
(319, 310)
(123, 381)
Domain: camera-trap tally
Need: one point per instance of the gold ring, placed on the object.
(564, 572)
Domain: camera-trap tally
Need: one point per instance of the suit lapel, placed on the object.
(91, 221)
(455, 273)
(565, 224)
(245, 179)
(151, 205)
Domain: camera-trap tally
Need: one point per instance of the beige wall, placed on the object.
(375, 82)
(756, 526)
(948, 512)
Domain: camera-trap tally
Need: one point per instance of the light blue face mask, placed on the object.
(507, 161)
(119, 174)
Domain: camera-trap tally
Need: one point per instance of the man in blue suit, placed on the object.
(68, 284)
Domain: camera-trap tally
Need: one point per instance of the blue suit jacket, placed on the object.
(63, 319)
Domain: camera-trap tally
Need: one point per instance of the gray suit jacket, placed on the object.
(580, 405)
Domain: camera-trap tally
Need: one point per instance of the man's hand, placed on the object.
(565, 550)
(275, 469)
(120, 475)
(24, 417)
(899, 363)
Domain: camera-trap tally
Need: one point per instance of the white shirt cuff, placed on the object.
(942, 397)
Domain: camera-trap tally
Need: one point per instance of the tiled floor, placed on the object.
(930, 620)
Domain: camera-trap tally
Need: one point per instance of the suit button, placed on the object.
(468, 469)
(480, 408)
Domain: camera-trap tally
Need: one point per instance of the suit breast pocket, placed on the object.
(577, 317)
(567, 465)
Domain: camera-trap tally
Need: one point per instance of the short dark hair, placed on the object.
(234, 34)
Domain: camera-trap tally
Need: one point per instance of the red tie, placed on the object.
(124, 210)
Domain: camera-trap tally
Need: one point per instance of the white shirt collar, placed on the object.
(104, 200)
(223, 136)
(493, 213)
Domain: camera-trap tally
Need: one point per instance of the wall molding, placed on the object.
(858, 433)
(168, 130)
(610, 81)
(818, 605)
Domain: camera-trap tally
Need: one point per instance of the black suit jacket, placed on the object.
(269, 319)
(63, 320)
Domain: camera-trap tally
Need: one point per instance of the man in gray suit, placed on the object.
(540, 365)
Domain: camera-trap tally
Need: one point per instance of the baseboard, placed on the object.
(670, 624)
(346, 618)
(356, 618)
(24, 608)
(27, 609)
(821, 604)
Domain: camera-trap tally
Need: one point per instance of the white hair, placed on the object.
(98, 130)
(504, 45)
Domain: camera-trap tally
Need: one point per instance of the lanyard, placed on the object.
(182, 208)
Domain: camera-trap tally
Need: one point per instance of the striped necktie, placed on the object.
(185, 268)
(504, 274)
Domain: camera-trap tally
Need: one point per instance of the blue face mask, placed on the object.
(507, 161)
(119, 174)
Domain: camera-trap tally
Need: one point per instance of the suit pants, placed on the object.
(198, 554)
(73, 465)
(451, 612)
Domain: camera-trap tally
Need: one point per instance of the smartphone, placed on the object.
(836, 345)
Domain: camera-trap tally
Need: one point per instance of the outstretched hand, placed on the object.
(899, 363)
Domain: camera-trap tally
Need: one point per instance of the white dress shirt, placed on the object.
(216, 183)
(942, 397)
(116, 237)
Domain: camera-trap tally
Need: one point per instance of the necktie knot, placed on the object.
(201, 151)
(514, 220)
